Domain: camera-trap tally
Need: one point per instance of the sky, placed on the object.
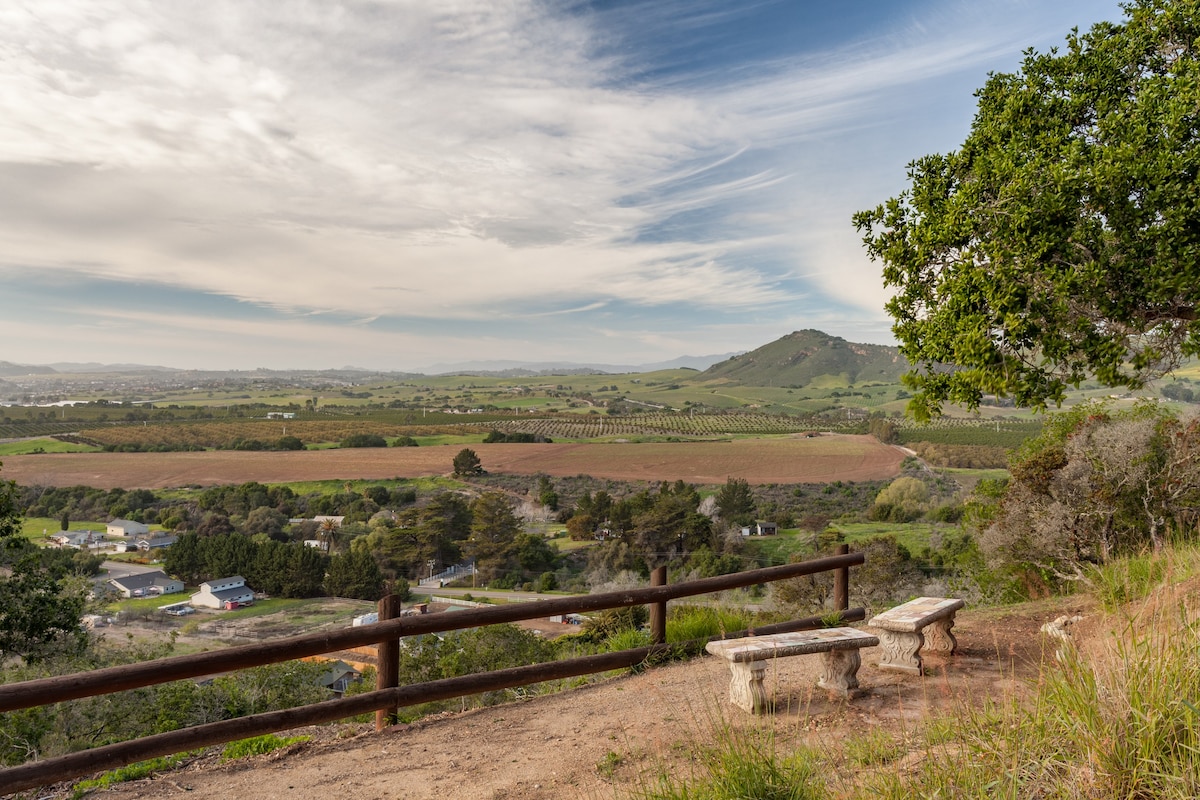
(311, 184)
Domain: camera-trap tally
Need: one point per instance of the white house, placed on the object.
(760, 528)
(220, 593)
(76, 539)
(126, 528)
(146, 584)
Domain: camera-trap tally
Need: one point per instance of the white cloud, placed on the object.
(474, 159)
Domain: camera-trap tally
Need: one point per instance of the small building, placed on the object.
(126, 528)
(221, 593)
(339, 676)
(80, 540)
(146, 584)
(155, 543)
(760, 528)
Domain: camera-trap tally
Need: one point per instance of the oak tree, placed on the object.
(1061, 241)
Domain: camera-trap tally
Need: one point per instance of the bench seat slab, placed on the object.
(747, 658)
(905, 629)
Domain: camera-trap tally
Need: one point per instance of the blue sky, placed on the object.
(239, 184)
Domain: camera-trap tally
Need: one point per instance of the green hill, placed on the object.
(804, 357)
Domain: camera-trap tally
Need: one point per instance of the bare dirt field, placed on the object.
(607, 739)
(795, 459)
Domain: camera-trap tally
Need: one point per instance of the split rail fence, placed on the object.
(388, 696)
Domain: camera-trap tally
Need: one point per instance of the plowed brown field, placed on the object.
(797, 459)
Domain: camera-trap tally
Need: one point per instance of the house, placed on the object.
(80, 540)
(223, 592)
(126, 528)
(339, 676)
(155, 543)
(760, 528)
(145, 584)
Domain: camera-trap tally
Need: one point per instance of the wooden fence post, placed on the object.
(658, 611)
(841, 582)
(388, 655)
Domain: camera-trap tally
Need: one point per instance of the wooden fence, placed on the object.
(388, 696)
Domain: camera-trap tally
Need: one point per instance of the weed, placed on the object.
(873, 748)
(606, 767)
(132, 772)
(258, 745)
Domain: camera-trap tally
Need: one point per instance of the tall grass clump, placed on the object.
(1121, 720)
(744, 764)
(685, 623)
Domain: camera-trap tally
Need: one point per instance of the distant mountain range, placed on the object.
(803, 356)
(505, 368)
(521, 368)
(796, 359)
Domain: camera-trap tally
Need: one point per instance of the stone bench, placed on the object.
(748, 661)
(903, 630)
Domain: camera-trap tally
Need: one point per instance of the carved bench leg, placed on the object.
(746, 688)
(901, 650)
(938, 636)
(839, 673)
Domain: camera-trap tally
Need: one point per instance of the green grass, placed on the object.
(141, 604)
(133, 772)
(259, 745)
(744, 764)
(426, 484)
(37, 529)
(702, 622)
(46, 445)
(912, 535)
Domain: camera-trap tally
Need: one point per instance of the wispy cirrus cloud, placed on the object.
(410, 163)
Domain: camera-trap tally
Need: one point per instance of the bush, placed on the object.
(364, 440)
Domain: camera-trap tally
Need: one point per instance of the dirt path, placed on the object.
(603, 740)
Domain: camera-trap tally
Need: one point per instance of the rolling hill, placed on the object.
(802, 357)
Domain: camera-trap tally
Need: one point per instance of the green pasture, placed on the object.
(914, 536)
(767, 550)
(45, 445)
(425, 484)
(772, 550)
(969, 478)
(455, 439)
(32, 527)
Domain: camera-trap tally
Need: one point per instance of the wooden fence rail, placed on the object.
(386, 699)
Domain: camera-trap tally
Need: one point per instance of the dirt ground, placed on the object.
(793, 459)
(607, 739)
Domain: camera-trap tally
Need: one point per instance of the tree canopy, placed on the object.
(467, 462)
(39, 610)
(1062, 240)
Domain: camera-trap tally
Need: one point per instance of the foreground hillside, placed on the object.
(609, 739)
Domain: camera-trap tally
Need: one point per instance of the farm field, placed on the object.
(785, 459)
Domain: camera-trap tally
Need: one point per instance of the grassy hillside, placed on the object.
(809, 357)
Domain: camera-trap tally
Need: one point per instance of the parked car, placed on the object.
(182, 611)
